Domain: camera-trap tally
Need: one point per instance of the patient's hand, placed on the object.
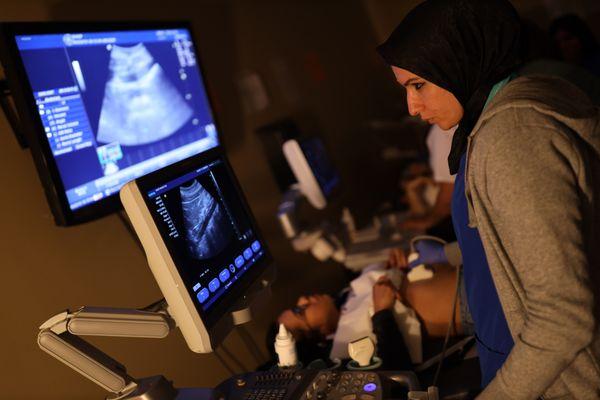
(397, 259)
(384, 294)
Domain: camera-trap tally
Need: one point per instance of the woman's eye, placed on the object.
(419, 85)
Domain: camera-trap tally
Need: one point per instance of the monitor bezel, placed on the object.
(227, 303)
(30, 120)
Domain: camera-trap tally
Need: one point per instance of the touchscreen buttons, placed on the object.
(256, 246)
(239, 261)
(224, 275)
(248, 253)
(214, 285)
(203, 295)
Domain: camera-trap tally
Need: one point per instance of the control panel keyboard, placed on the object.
(303, 385)
(344, 385)
(269, 385)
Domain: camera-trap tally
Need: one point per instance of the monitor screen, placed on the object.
(323, 170)
(207, 230)
(115, 105)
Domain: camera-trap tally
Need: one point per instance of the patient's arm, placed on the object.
(432, 300)
(390, 343)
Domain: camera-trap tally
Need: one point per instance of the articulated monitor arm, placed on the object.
(59, 337)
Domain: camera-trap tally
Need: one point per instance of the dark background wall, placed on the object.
(317, 63)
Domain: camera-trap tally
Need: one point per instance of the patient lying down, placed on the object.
(380, 304)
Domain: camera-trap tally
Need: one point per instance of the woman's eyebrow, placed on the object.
(409, 81)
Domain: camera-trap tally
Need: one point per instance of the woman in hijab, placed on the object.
(526, 203)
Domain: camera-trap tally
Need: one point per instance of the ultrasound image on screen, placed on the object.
(141, 105)
(117, 105)
(207, 229)
(209, 234)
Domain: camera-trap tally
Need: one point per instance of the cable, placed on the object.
(237, 362)
(252, 346)
(224, 364)
(425, 237)
(450, 325)
(458, 277)
(157, 306)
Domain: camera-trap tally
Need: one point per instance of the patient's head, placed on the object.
(314, 315)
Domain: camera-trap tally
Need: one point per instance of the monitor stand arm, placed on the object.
(60, 337)
(7, 105)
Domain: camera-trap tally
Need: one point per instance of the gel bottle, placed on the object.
(285, 347)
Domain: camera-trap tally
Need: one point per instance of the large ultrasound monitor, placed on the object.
(104, 103)
(316, 175)
(202, 244)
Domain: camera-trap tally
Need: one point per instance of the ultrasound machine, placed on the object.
(121, 108)
(317, 181)
(214, 269)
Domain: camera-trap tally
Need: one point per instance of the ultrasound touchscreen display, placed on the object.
(207, 231)
(116, 105)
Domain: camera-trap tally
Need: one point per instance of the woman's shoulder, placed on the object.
(574, 74)
(539, 106)
(546, 94)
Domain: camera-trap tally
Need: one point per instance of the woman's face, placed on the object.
(429, 101)
(315, 313)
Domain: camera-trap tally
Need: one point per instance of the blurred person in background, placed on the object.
(576, 42)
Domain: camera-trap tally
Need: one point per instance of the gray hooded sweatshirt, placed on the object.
(533, 189)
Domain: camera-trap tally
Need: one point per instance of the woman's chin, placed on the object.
(445, 125)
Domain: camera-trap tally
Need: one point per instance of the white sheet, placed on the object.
(355, 316)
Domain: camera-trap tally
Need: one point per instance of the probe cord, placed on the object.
(452, 324)
(251, 343)
(224, 364)
(235, 360)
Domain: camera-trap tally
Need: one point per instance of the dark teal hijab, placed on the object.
(463, 46)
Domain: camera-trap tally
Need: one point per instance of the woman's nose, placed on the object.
(413, 106)
(302, 300)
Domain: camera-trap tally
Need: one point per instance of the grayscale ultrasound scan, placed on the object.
(140, 104)
(207, 228)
